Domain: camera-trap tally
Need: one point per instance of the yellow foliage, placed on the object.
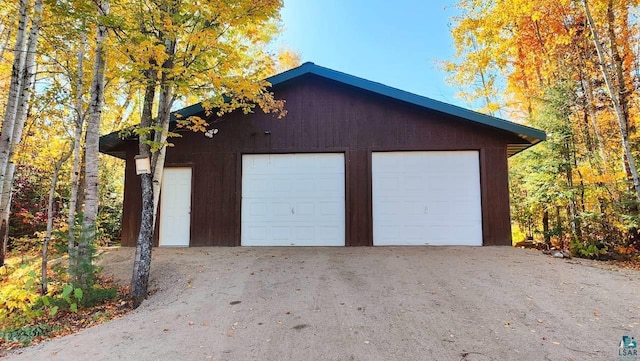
(18, 286)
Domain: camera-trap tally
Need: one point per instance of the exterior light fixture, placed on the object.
(143, 165)
(211, 132)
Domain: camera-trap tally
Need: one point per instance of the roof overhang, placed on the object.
(111, 143)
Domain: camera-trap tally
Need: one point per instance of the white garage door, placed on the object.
(293, 200)
(426, 198)
(175, 207)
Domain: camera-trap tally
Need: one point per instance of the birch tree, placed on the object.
(616, 87)
(22, 82)
(77, 153)
(92, 144)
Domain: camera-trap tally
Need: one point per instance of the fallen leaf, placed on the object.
(539, 321)
(287, 313)
(166, 330)
(279, 322)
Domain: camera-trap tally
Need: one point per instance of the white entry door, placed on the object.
(426, 198)
(293, 199)
(175, 207)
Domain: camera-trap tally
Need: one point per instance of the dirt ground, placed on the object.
(410, 303)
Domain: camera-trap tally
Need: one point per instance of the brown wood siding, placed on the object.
(323, 116)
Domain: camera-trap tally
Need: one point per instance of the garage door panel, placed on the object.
(304, 234)
(301, 186)
(280, 208)
(427, 198)
(304, 208)
(304, 194)
(330, 183)
(261, 187)
(277, 233)
(388, 234)
(257, 208)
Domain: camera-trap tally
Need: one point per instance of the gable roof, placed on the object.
(530, 136)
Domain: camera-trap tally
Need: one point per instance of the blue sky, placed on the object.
(397, 43)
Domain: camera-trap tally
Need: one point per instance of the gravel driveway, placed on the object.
(410, 303)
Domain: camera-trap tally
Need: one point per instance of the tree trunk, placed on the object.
(165, 102)
(152, 183)
(572, 209)
(92, 145)
(545, 228)
(47, 237)
(142, 260)
(6, 134)
(4, 223)
(79, 124)
(618, 98)
(559, 227)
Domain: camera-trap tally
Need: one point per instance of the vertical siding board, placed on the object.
(323, 116)
(496, 213)
(237, 194)
(228, 199)
(132, 200)
(367, 224)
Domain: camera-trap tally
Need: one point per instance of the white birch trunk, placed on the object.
(16, 111)
(92, 143)
(15, 86)
(93, 130)
(617, 106)
(4, 225)
(79, 123)
(27, 87)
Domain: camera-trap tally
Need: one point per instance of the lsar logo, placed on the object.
(628, 349)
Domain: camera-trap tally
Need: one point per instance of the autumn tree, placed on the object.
(529, 49)
(20, 90)
(214, 50)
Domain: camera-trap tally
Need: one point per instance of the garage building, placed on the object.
(353, 163)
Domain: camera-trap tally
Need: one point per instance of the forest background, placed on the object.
(570, 68)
